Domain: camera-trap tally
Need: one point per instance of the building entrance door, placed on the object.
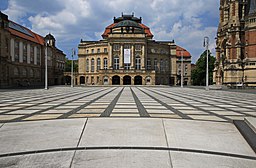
(127, 80)
(138, 80)
(115, 80)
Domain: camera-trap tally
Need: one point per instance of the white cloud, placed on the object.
(69, 20)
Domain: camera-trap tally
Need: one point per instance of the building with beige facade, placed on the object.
(22, 56)
(236, 44)
(127, 55)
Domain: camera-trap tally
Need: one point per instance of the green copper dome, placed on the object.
(127, 23)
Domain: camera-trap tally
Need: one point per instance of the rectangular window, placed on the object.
(105, 50)
(98, 64)
(116, 47)
(7, 45)
(87, 65)
(127, 66)
(38, 57)
(16, 51)
(116, 63)
(155, 65)
(149, 64)
(105, 63)
(137, 47)
(25, 53)
(32, 54)
(161, 65)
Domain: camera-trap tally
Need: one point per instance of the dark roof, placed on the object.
(49, 37)
(127, 23)
(252, 7)
(127, 17)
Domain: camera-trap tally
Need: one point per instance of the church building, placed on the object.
(236, 44)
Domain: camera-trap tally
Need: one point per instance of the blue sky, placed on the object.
(185, 21)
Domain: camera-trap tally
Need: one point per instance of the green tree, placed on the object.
(198, 75)
(68, 65)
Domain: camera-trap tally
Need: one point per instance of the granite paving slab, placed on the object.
(124, 132)
(40, 135)
(208, 136)
(195, 160)
(42, 160)
(121, 159)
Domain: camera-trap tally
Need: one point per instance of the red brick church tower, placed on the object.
(236, 43)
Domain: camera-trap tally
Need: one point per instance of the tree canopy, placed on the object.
(199, 73)
(68, 65)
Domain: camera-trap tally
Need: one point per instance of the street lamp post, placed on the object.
(72, 71)
(46, 66)
(182, 80)
(206, 44)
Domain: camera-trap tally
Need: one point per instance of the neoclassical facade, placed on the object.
(236, 43)
(22, 56)
(127, 55)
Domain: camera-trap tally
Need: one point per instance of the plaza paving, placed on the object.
(124, 127)
(158, 102)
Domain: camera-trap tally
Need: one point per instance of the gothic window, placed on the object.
(87, 65)
(116, 62)
(105, 63)
(138, 62)
(98, 64)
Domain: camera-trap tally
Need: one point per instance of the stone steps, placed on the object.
(247, 128)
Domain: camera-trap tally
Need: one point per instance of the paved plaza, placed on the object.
(123, 127)
(156, 102)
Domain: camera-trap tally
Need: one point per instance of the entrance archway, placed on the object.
(138, 80)
(82, 80)
(68, 80)
(127, 80)
(115, 80)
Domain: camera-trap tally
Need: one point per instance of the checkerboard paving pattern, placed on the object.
(130, 101)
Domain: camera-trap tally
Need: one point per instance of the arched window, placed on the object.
(155, 65)
(87, 65)
(92, 65)
(25, 53)
(16, 71)
(31, 73)
(105, 63)
(166, 65)
(137, 62)
(116, 62)
(24, 72)
(98, 64)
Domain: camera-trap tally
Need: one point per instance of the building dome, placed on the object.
(127, 23)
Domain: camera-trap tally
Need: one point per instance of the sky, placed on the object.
(186, 22)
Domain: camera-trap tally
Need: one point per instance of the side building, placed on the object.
(22, 57)
(236, 43)
(127, 55)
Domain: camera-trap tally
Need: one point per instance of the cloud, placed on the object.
(185, 21)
